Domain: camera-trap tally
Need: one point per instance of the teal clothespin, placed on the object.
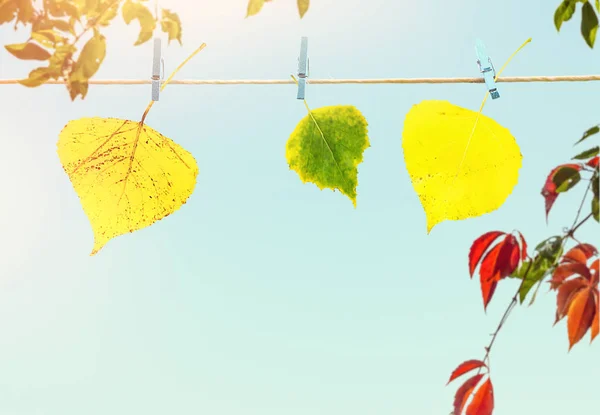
(486, 67)
(157, 61)
(303, 67)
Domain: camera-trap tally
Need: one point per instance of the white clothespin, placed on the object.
(157, 64)
(303, 67)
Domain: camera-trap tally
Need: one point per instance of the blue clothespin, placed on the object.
(486, 67)
(303, 67)
(157, 62)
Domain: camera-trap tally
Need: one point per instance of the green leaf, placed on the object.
(563, 13)
(36, 77)
(254, 6)
(598, 5)
(589, 24)
(87, 65)
(550, 248)
(171, 25)
(28, 51)
(548, 253)
(303, 7)
(594, 130)
(565, 178)
(587, 153)
(140, 12)
(327, 146)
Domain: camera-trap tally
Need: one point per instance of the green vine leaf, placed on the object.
(589, 24)
(327, 146)
(563, 13)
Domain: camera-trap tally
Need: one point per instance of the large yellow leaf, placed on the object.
(126, 174)
(462, 164)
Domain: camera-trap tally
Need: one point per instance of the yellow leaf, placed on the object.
(254, 6)
(126, 174)
(303, 7)
(171, 24)
(88, 62)
(140, 12)
(462, 164)
(28, 51)
(8, 10)
(36, 77)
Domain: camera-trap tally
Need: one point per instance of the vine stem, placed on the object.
(568, 234)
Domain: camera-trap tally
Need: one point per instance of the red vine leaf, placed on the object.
(523, 246)
(465, 367)
(502, 260)
(463, 393)
(564, 176)
(481, 245)
(566, 293)
(499, 262)
(596, 322)
(578, 298)
(581, 314)
(565, 270)
(580, 253)
(483, 401)
(593, 163)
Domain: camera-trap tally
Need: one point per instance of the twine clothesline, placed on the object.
(463, 80)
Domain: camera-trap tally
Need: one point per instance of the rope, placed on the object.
(579, 78)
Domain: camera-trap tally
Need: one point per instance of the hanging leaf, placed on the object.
(462, 164)
(127, 175)
(327, 146)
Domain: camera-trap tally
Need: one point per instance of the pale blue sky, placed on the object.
(264, 296)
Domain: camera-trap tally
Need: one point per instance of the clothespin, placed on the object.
(303, 67)
(486, 67)
(157, 63)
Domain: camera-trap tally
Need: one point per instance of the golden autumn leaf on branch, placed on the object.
(126, 174)
(60, 27)
(255, 6)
